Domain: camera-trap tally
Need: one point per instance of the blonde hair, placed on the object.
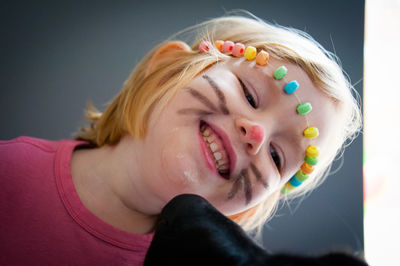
(129, 111)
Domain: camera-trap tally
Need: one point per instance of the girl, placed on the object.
(243, 114)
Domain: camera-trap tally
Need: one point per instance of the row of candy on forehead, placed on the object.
(262, 57)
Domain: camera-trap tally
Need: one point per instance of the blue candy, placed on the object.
(291, 87)
(294, 181)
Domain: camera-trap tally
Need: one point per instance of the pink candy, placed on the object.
(227, 47)
(238, 50)
(204, 46)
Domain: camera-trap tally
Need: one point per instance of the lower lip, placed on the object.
(208, 156)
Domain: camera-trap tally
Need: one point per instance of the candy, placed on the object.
(304, 108)
(250, 53)
(204, 46)
(262, 58)
(294, 181)
(238, 50)
(219, 44)
(291, 87)
(306, 168)
(287, 188)
(311, 132)
(312, 151)
(227, 47)
(280, 72)
(311, 160)
(301, 176)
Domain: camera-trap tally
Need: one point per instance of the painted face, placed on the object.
(232, 135)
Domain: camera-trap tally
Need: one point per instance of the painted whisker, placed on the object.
(242, 181)
(220, 94)
(193, 111)
(247, 185)
(203, 99)
(235, 187)
(258, 175)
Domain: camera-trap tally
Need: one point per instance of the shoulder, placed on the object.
(24, 142)
(26, 148)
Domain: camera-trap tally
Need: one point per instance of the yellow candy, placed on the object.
(312, 151)
(250, 53)
(311, 132)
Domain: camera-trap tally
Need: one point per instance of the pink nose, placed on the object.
(256, 133)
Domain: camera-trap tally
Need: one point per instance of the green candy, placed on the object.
(280, 72)
(304, 108)
(301, 176)
(311, 161)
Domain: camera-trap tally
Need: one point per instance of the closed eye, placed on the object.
(247, 94)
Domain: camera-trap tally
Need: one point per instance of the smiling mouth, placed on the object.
(216, 150)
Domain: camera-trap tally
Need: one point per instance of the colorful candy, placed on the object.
(227, 47)
(304, 108)
(262, 58)
(250, 53)
(312, 151)
(311, 132)
(294, 181)
(287, 188)
(238, 50)
(280, 72)
(301, 176)
(311, 160)
(306, 168)
(219, 44)
(291, 87)
(204, 46)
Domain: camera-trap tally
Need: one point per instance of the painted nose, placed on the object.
(251, 134)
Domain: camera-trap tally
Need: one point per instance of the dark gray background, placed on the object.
(56, 56)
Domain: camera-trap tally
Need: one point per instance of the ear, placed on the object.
(165, 52)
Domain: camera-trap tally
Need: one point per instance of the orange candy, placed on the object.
(306, 168)
(262, 58)
(219, 44)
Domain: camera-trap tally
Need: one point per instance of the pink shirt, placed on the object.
(43, 221)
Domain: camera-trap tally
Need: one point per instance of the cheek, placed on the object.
(177, 163)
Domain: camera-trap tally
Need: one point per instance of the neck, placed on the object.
(102, 187)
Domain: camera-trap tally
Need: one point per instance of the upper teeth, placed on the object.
(218, 151)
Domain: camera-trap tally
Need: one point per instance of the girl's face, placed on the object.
(232, 135)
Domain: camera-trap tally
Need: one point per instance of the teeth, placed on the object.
(223, 167)
(210, 139)
(213, 147)
(217, 155)
(221, 164)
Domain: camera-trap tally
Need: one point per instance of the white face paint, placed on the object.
(191, 175)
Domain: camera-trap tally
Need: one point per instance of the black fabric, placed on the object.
(190, 231)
